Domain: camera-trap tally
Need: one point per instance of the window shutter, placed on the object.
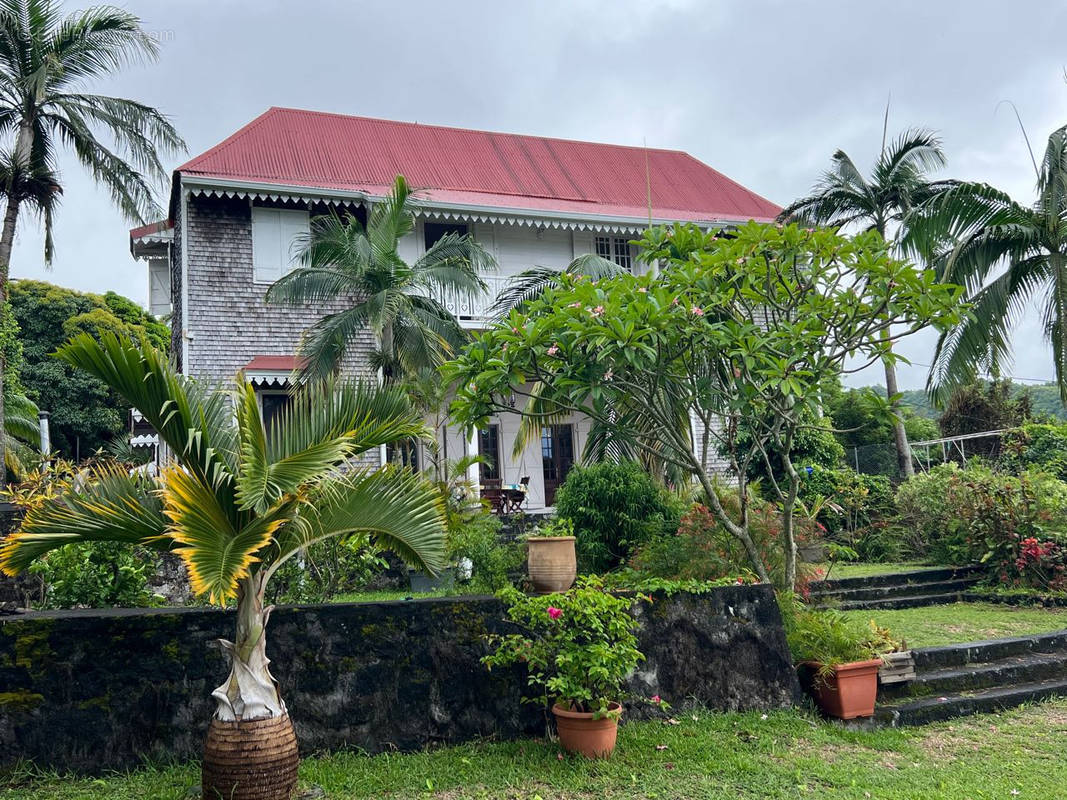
(266, 244)
(294, 224)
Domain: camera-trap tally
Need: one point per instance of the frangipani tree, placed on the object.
(747, 329)
(238, 502)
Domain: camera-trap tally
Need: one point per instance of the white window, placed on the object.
(615, 248)
(273, 233)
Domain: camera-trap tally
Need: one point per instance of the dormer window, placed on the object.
(617, 249)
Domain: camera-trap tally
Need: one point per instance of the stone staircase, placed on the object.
(921, 587)
(977, 677)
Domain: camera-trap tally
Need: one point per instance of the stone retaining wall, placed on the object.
(85, 691)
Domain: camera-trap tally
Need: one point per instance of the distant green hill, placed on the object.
(1044, 398)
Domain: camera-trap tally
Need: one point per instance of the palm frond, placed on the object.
(105, 505)
(400, 510)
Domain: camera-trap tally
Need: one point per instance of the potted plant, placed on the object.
(836, 657)
(578, 647)
(551, 559)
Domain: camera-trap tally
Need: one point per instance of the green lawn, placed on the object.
(964, 622)
(786, 755)
(844, 569)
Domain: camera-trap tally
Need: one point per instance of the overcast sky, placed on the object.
(762, 91)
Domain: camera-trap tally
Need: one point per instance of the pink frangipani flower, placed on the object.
(596, 312)
(553, 350)
(696, 311)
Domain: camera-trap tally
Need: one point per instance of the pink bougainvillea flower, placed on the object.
(554, 613)
(553, 350)
(696, 311)
(657, 699)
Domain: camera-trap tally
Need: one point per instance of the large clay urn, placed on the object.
(551, 563)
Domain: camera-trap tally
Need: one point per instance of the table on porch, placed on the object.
(505, 498)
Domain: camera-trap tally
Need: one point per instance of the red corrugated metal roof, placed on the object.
(274, 364)
(289, 147)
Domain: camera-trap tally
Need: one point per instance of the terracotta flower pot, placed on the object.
(580, 733)
(254, 759)
(551, 563)
(849, 691)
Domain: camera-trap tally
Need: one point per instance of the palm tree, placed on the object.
(898, 184)
(46, 60)
(971, 233)
(21, 431)
(531, 283)
(344, 260)
(237, 503)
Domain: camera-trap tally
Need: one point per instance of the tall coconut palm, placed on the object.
(898, 183)
(342, 259)
(236, 504)
(47, 60)
(1006, 254)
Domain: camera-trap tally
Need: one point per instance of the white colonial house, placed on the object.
(532, 201)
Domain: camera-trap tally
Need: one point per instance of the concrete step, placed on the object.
(953, 586)
(1011, 671)
(984, 652)
(946, 706)
(914, 577)
(907, 601)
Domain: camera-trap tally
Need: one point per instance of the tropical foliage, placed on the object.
(970, 234)
(578, 646)
(85, 412)
(748, 327)
(898, 184)
(47, 61)
(361, 267)
(240, 502)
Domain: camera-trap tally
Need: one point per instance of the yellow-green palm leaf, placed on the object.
(397, 508)
(216, 551)
(106, 505)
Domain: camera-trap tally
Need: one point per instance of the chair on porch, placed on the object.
(493, 494)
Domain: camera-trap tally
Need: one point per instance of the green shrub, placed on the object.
(96, 575)
(856, 510)
(701, 549)
(578, 646)
(1033, 445)
(614, 509)
(1012, 525)
(493, 562)
(327, 569)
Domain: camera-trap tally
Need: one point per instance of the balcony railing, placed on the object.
(475, 312)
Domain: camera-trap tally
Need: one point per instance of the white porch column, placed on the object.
(472, 470)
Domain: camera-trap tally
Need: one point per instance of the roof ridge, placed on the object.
(462, 129)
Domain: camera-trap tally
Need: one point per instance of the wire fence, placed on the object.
(881, 459)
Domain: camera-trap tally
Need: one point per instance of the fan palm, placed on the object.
(971, 233)
(238, 502)
(898, 184)
(46, 60)
(342, 259)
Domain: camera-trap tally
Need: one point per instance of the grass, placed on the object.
(964, 622)
(781, 755)
(844, 569)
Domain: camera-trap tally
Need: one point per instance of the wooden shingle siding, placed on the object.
(229, 322)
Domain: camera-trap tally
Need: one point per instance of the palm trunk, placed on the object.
(900, 436)
(250, 692)
(23, 149)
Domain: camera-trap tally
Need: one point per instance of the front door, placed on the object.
(557, 457)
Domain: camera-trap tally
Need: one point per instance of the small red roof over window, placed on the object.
(307, 149)
(274, 364)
